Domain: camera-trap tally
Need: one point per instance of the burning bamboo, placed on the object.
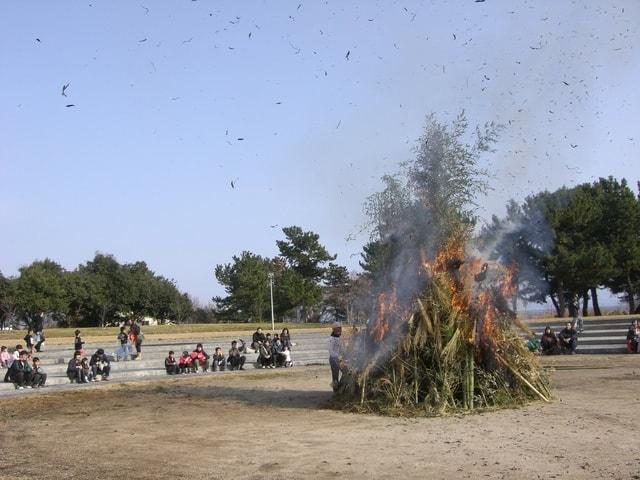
(452, 348)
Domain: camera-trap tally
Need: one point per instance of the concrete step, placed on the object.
(60, 380)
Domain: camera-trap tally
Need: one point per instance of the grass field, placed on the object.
(178, 331)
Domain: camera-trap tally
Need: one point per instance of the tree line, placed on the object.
(100, 292)
(304, 278)
(566, 244)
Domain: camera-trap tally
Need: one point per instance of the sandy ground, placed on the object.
(275, 424)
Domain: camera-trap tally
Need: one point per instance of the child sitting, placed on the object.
(39, 377)
(287, 362)
(199, 357)
(171, 364)
(86, 375)
(5, 358)
(219, 362)
(16, 353)
(184, 364)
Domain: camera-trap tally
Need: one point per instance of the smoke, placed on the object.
(427, 210)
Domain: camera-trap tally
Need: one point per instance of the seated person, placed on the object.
(568, 339)
(276, 351)
(85, 372)
(533, 344)
(633, 337)
(171, 364)
(21, 372)
(184, 364)
(199, 357)
(74, 368)
(257, 339)
(39, 377)
(287, 361)
(265, 359)
(236, 359)
(218, 361)
(549, 342)
(100, 365)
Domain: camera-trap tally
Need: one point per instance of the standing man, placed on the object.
(38, 328)
(135, 334)
(578, 322)
(335, 349)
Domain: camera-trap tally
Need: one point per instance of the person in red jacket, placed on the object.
(184, 364)
(199, 357)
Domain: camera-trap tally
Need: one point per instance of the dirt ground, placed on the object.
(275, 424)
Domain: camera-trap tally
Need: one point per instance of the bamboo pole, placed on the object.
(522, 379)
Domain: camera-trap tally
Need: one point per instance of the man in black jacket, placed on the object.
(20, 372)
(258, 339)
(100, 364)
(568, 339)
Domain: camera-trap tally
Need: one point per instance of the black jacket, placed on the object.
(20, 366)
(97, 358)
(259, 337)
(73, 366)
(568, 334)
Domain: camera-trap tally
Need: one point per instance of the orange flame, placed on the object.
(387, 306)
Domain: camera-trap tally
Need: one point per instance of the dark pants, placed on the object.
(265, 361)
(335, 372)
(21, 379)
(237, 362)
(219, 365)
(39, 379)
(104, 371)
(75, 376)
(185, 368)
(39, 344)
(279, 359)
(569, 346)
(138, 346)
(172, 369)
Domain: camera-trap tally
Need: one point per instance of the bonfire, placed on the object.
(455, 346)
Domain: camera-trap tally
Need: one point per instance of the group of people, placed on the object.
(81, 369)
(200, 361)
(565, 342)
(23, 369)
(273, 352)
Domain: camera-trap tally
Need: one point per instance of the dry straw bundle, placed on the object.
(454, 349)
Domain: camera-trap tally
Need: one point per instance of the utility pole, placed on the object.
(273, 323)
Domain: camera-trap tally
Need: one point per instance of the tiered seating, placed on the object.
(310, 349)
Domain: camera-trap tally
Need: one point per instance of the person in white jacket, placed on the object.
(335, 350)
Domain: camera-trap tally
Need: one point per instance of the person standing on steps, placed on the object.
(335, 350)
(136, 336)
(38, 328)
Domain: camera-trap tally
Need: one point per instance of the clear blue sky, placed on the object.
(141, 166)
